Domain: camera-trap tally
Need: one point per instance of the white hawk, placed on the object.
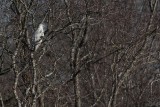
(39, 34)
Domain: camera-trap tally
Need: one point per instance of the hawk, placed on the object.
(37, 37)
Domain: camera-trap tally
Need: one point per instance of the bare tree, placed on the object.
(95, 53)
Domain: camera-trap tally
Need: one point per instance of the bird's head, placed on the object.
(43, 26)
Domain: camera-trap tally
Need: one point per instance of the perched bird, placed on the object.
(39, 34)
